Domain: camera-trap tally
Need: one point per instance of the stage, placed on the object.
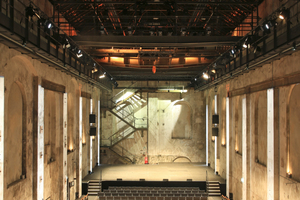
(155, 172)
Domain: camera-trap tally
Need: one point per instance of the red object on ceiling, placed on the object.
(154, 69)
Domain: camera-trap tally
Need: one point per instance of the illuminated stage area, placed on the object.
(157, 172)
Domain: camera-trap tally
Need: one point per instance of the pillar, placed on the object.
(40, 144)
(244, 147)
(206, 124)
(65, 150)
(270, 144)
(227, 149)
(1, 138)
(80, 149)
(98, 134)
(216, 139)
(91, 140)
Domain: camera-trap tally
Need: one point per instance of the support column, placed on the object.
(91, 140)
(244, 146)
(65, 150)
(227, 149)
(1, 138)
(216, 139)
(40, 144)
(206, 124)
(80, 149)
(270, 144)
(98, 134)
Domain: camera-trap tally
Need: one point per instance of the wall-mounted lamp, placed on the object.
(223, 145)
(71, 184)
(70, 150)
(289, 175)
(236, 151)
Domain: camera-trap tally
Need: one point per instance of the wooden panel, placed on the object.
(48, 85)
(86, 95)
(279, 82)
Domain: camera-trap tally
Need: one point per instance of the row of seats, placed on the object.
(154, 188)
(108, 194)
(154, 191)
(153, 198)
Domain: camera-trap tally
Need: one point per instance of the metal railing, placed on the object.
(28, 34)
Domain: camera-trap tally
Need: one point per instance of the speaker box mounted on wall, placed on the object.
(215, 131)
(92, 131)
(92, 118)
(215, 119)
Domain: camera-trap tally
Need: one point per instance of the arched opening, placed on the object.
(15, 167)
(182, 120)
(182, 159)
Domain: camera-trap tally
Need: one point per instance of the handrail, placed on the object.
(225, 198)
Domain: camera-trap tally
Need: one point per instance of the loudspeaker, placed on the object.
(92, 131)
(215, 131)
(92, 118)
(215, 119)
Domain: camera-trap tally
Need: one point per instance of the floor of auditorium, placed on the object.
(155, 172)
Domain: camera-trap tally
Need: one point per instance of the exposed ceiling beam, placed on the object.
(204, 2)
(155, 41)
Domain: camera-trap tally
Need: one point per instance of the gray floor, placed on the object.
(155, 172)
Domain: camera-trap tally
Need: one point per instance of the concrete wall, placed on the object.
(286, 123)
(19, 71)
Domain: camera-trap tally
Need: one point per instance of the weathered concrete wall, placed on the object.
(161, 146)
(20, 69)
(286, 124)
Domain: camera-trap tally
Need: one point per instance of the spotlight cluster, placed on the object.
(58, 38)
(250, 41)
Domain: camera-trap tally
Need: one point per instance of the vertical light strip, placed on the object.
(216, 139)
(40, 144)
(80, 148)
(270, 144)
(206, 135)
(227, 148)
(91, 139)
(244, 146)
(65, 150)
(1, 138)
(98, 157)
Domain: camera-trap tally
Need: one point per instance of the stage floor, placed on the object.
(155, 172)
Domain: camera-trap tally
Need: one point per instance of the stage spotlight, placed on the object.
(48, 24)
(66, 44)
(247, 42)
(283, 14)
(102, 76)
(79, 53)
(257, 49)
(265, 28)
(213, 71)
(94, 70)
(205, 75)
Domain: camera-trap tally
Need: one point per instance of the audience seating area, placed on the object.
(153, 193)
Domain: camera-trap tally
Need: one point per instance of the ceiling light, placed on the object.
(48, 24)
(213, 71)
(102, 76)
(94, 70)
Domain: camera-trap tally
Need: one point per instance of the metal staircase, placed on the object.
(123, 106)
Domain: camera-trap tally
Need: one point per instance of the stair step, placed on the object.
(214, 194)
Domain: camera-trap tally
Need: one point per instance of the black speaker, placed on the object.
(215, 119)
(215, 131)
(92, 118)
(92, 131)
